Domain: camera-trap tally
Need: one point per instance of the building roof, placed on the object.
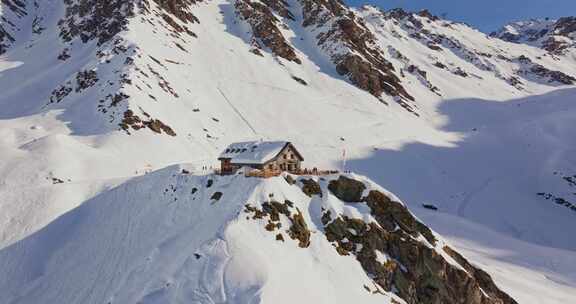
(254, 152)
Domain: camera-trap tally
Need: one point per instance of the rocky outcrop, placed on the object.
(273, 210)
(390, 214)
(530, 68)
(5, 40)
(483, 278)
(102, 20)
(554, 36)
(310, 187)
(179, 8)
(390, 253)
(134, 122)
(352, 48)
(347, 189)
(8, 27)
(265, 26)
(95, 20)
(398, 253)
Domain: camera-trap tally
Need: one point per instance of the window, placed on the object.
(271, 166)
(285, 156)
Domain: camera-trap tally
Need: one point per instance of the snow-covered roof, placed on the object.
(253, 152)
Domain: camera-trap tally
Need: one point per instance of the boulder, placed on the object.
(311, 187)
(347, 189)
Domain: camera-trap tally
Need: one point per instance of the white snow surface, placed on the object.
(80, 222)
(167, 243)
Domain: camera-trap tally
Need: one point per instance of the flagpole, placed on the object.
(343, 160)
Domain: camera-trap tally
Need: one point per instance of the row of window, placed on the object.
(238, 150)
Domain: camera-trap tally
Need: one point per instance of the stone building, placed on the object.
(269, 157)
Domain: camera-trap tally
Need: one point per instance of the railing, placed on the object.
(268, 174)
(261, 174)
(314, 171)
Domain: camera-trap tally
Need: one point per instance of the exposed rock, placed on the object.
(85, 80)
(289, 179)
(390, 213)
(483, 278)
(299, 230)
(553, 76)
(102, 20)
(60, 93)
(280, 7)
(416, 272)
(460, 72)
(180, 9)
(539, 70)
(359, 57)
(347, 189)
(130, 120)
(273, 210)
(94, 19)
(423, 77)
(265, 27)
(554, 36)
(7, 28)
(430, 207)
(64, 55)
(5, 40)
(310, 187)
(300, 80)
(216, 196)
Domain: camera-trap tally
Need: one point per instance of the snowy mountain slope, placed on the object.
(555, 36)
(95, 97)
(510, 157)
(168, 238)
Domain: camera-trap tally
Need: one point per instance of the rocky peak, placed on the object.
(102, 20)
(266, 27)
(353, 49)
(416, 266)
(18, 7)
(565, 26)
(95, 19)
(8, 27)
(555, 36)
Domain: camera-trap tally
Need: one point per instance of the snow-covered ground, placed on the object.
(160, 238)
(481, 151)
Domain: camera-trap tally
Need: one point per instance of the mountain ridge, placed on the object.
(556, 36)
(216, 234)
